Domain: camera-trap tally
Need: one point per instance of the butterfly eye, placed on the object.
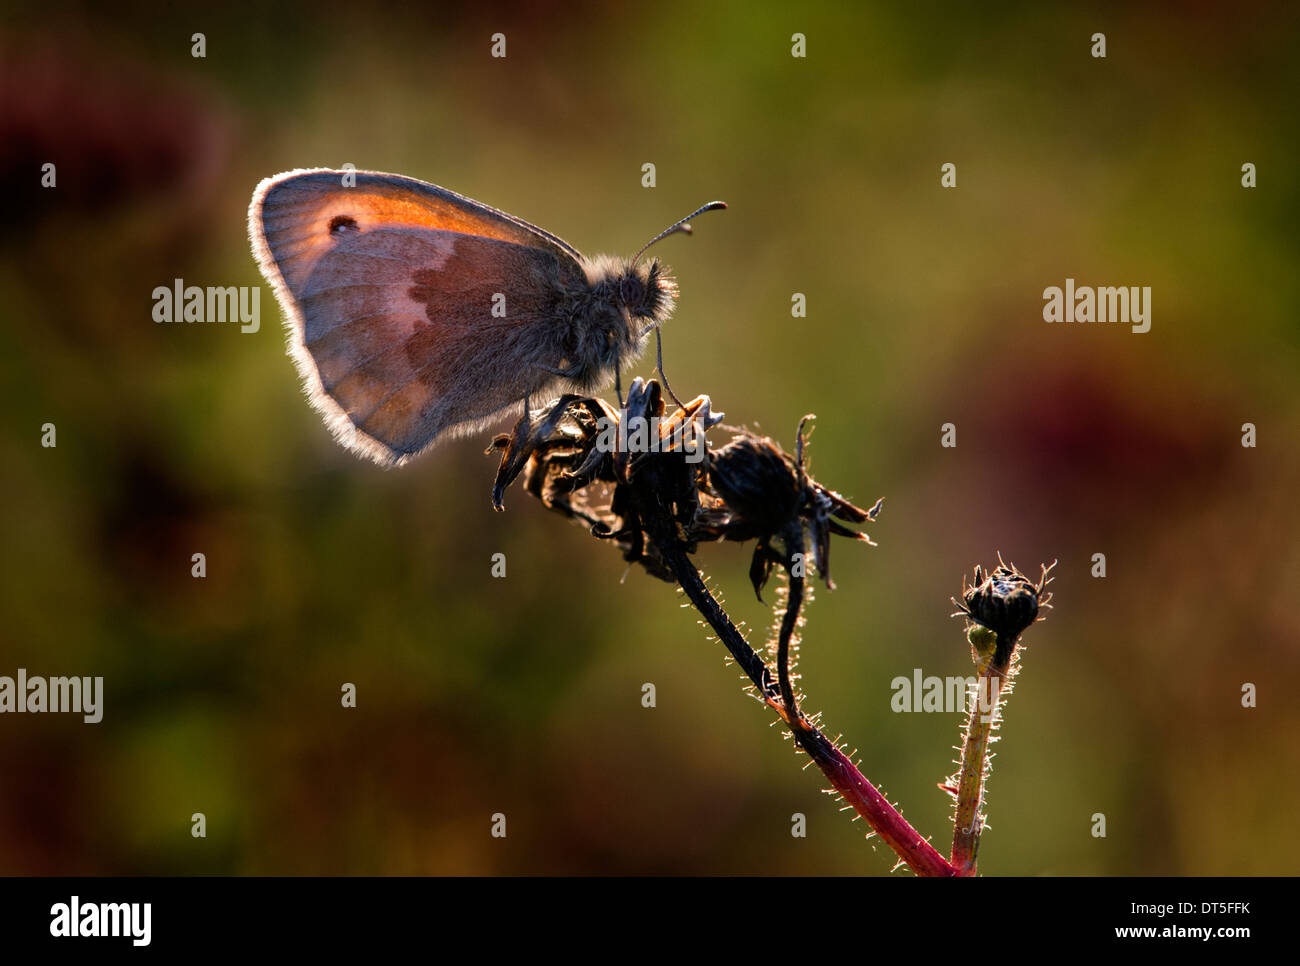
(632, 291)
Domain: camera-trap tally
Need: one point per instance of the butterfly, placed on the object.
(414, 314)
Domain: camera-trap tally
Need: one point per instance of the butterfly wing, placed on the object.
(388, 289)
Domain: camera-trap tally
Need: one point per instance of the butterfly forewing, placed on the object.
(388, 289)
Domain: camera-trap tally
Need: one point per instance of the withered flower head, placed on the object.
(1006, 602)
(768, 495)
(677, 491)
(573, 452)
(758, 483)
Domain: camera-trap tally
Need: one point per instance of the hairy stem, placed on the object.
(969, 821)
(789, 621)
(843, 775)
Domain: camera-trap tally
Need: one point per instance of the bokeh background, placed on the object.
(522, 695)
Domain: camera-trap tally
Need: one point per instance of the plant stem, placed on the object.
(790, 620)
(969, 820)
(843, 775)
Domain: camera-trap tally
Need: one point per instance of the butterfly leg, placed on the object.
(516, 449)
(523, 441)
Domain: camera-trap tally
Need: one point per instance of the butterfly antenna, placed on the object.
(659, 352)
(682, 226)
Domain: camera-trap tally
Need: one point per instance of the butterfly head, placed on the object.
(646, 294)
(624, 303)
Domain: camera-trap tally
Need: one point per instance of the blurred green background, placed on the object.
(522, 695)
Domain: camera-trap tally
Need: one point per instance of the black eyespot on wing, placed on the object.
(342, 223)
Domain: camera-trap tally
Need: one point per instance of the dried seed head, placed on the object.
(1006, 602)
(758, 483)
(749, 489)
(768, 496)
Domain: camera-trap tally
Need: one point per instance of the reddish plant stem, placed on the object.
(843, 775)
